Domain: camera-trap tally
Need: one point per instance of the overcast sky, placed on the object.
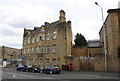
(15, 15)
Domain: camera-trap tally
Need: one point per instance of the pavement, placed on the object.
(112, 74)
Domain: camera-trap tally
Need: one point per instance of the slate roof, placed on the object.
(53, 25)
(94, 43)
(50, 26)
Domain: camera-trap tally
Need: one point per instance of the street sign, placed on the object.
(22, 57)
(86, 57)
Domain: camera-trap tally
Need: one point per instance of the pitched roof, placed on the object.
(52, 26)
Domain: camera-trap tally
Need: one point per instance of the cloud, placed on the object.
(88, 27)
(10, 36)
(13, 18)
(25, 16)
(18, 14)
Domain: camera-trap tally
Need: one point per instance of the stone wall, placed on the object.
(76, 64)
(94, 50)
(99, 62)
(113, 63)
(79, 51)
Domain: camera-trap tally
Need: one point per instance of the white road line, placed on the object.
(29, 76)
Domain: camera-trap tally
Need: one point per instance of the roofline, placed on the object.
(11, 48)
(113, 10)
(93, 40)
(104, 23)
(109, 11)
(95, 47)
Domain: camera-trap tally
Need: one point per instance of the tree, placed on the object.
(80, 40)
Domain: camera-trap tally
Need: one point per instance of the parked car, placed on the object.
(51, 69)
(32, 69)
(21, 68)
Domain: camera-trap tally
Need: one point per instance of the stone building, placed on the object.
(49, 44)
(84, 57)
(10, 56)
(80, 51)
(95, 50)
(110, 38)
(94, 47)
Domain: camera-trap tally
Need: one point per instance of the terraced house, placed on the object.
(49, 44)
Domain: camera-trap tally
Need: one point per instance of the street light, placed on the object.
(101, 11)
(104, 33)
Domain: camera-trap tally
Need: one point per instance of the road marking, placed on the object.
(14, 75)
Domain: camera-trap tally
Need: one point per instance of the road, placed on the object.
(11, 73)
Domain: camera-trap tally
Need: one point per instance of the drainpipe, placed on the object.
(105, 46)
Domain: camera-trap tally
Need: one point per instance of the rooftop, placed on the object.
(94, 43)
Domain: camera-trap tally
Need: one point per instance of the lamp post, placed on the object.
(105, 36)
(101, 11)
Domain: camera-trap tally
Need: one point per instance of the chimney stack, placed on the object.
(46, 23)
(62, 16)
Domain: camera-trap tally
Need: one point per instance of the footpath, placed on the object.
(92, 73)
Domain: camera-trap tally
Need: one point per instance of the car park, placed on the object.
(53, 69)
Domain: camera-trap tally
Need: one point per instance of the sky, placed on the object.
(15, 15)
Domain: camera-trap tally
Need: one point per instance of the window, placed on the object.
(28, 40)
(31, 59)
(42, 29)
(54, 48)
(41, 59)
(54, 35)
(33, 40)
(42, 49)
(37, 39)
(24, 42)
(47, 60)
(32, 50)
(28, 50)
(24, 51)
(37, 49)
(42, 37)
(47, 49)
(36, 59)
(54, 61)
(48, 36)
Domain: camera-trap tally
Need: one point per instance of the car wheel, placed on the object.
(33, 71)
(22, 70)
(58, 72)
(41, 71)
(51, 72)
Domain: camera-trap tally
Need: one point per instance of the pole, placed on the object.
(104, 33)
(105, 47)
(101, 11)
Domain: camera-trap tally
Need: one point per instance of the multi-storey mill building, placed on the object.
(49, 44)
